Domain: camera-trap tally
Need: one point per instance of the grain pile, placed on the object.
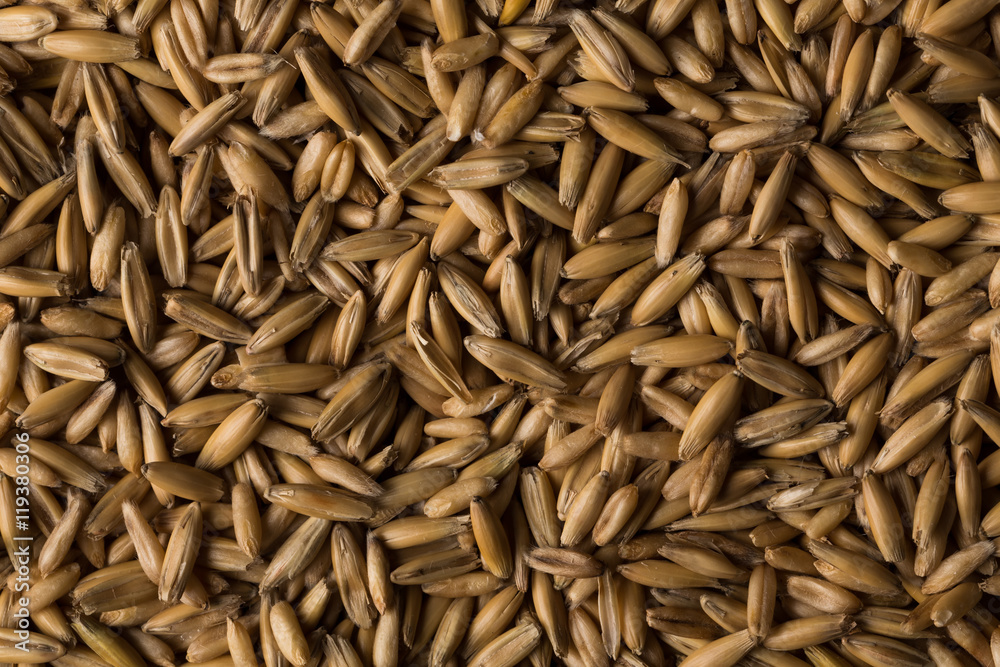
(417, 333)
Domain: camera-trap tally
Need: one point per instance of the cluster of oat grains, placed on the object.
(420, 333)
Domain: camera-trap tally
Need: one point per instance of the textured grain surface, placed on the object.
(431, 333)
